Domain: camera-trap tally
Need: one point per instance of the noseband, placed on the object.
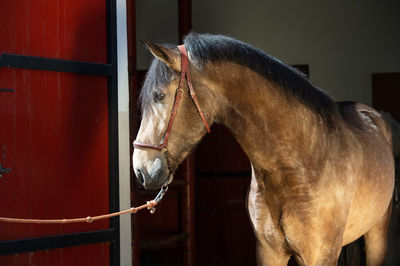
(178, 95)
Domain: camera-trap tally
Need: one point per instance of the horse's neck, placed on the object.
(271, 128)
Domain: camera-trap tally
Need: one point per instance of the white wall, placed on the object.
(343, 42)
(156, 21)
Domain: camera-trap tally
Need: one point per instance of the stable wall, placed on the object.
(343, 42)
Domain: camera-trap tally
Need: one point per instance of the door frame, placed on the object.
(118, 142)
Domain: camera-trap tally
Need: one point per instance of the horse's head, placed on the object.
(172, 121)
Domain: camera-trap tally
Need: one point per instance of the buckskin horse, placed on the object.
(322, 172)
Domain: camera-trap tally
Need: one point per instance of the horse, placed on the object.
(322, 172)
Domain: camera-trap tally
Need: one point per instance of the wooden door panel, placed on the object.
(54, 131)
(72, 256)
(68, 29)
(386, 95)
(223, 232)
(56, 145)
(219, 152)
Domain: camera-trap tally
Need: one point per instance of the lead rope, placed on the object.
(150, 205)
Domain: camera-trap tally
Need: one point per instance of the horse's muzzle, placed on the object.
(152, 177)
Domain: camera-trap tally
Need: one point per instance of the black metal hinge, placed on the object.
(6, 90)
(4, 170)
(53, 64)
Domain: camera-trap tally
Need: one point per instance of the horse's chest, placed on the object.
(264, 218)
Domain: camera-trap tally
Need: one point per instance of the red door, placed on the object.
(54, 131)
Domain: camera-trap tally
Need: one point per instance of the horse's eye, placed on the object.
(158, 96)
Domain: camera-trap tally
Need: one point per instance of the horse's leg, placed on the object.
(376, 240)
(317, 254)
(315, 240)
(271, 245)
(315, 258)
(270, 256)
(326, 261)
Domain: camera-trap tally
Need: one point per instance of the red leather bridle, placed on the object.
(174, 112)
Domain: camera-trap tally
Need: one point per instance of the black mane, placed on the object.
(216, 48)
(205, 48)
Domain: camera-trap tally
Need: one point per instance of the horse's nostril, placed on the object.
(139, 176)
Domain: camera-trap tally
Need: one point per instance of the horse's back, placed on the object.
(365, 118)
(369, 138)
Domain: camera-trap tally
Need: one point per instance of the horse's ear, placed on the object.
(170, 56)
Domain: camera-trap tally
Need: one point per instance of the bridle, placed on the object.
(178, 95)
(162, 146)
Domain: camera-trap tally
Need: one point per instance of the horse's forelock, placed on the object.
(157, 77)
